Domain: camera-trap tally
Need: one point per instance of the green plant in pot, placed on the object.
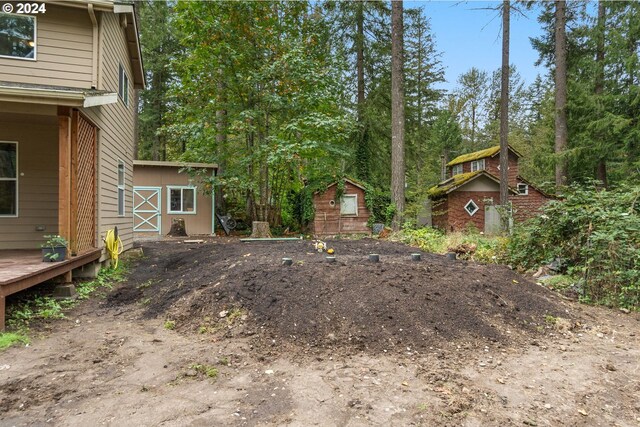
(54, 249)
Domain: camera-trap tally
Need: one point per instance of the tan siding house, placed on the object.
(67, 77)
(163, 191)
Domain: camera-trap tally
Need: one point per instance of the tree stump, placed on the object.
(260, 229)
(178, 228)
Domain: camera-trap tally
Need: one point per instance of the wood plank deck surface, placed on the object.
(21, 269)
(26, 265)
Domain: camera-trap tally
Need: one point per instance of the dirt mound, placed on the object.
(395, 305)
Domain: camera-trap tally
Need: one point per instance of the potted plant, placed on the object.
(54, 249)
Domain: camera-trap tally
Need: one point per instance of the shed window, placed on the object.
(349, 204)
(17, 36)
(477, 165)
(8, 178)
(120, 188)
(123, 85)
(471, 207)
(523, 189)
(456, 169)
(182, 200)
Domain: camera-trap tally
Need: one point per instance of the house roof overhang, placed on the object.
(455, 182)
(477, 155)
(175, 164)
(55, 95)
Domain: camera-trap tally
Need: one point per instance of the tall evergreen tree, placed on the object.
(397, 114)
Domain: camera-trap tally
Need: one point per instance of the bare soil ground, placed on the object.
(354, 343)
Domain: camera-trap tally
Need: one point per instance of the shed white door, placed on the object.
(146, 209)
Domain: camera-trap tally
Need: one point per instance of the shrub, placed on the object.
(596, 233)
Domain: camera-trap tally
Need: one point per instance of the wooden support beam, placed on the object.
(2, 299)
(73, 199)
(64, 171)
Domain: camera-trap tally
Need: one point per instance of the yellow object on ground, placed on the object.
(330, 251)
(114, 246)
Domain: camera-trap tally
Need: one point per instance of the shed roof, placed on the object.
(477, 155)
(457, 181)
(174, 164)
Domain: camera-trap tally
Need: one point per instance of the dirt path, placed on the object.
(113, 362)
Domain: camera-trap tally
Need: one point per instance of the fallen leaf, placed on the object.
(582, 412)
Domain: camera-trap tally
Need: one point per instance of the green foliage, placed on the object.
(597, 233)
(378, 202)
(170, 324)
(490, 250)
(7, 339)
(207, 370)
(43, 307)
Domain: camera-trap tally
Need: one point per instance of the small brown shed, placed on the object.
(349, 215)
(163, 191)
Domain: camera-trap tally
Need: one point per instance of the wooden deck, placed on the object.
(22, 269)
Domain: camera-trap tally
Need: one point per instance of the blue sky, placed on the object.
(470, 36)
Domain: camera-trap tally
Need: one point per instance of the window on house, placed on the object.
(456, 169)
(182, 200)
(523, 189)
(477, 165)
(120, 188)
(349, 204)
(17, 36)
(123, 85)
(471, 207)
(8, 178)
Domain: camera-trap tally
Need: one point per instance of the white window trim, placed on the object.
(124, 93)
(526, 189)
(121, 187)
(475, 204)
(16, 179)
(182, 187)
(479, 165)
(35, 39)
(355, 196)
(455, 168)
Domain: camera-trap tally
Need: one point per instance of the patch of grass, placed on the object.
(170, 324)
(207, 370)
(550, 320)
(223, 361)
(560, 282)
(8, 339)
(489, 249)
(234, 314)
(145, 285)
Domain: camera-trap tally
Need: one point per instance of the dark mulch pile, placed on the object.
(353, 304)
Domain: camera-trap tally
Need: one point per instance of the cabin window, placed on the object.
(456, 169)
(471, 207)
(349, 204)
(477, 165)
(17, 36)
(523, 189)
(8, 178)
(181, 200)
(120, 188)
(123, 85)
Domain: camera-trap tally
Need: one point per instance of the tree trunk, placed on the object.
(561, 132)
(362, 149)
(504, 107)
(221, 143)
(601, 169)
(178, 228)
(397, 113)
(260, 229)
